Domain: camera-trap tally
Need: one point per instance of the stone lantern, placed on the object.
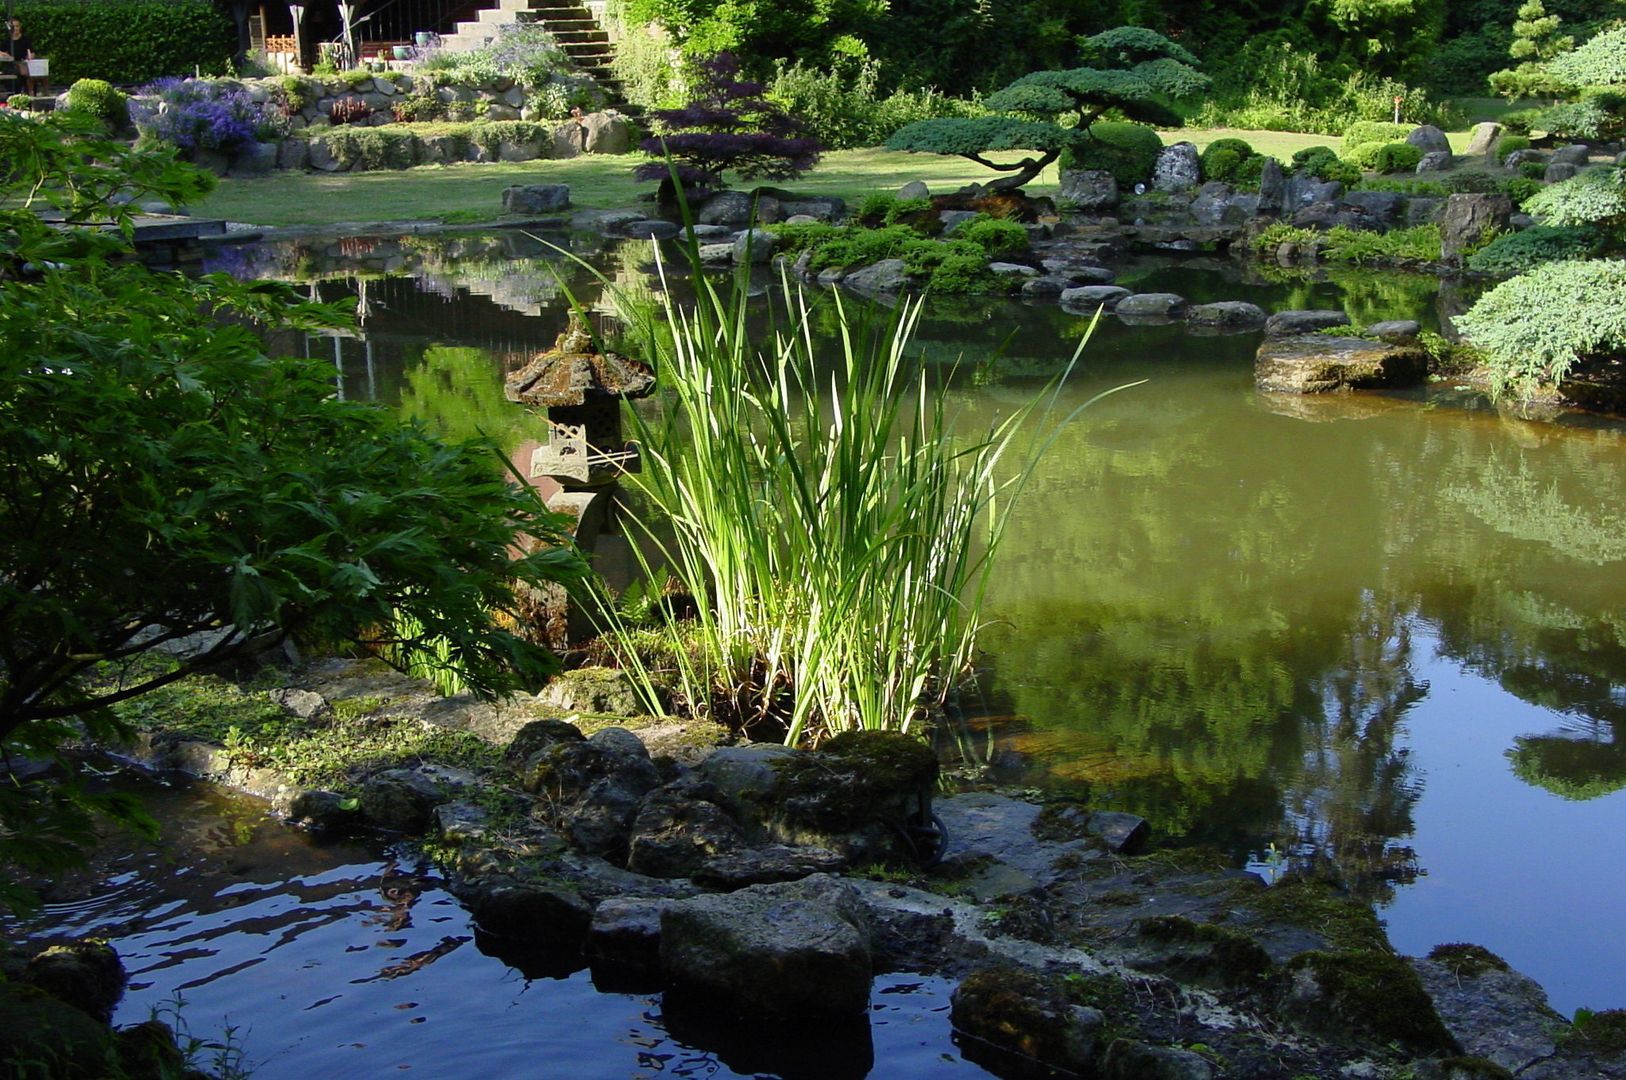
(582, 389)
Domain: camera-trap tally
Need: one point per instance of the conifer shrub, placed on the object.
(1518, 252)
(1535, 328)
(1127, 151)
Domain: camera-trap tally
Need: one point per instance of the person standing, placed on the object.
(22, 51)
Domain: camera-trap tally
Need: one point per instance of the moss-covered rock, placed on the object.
(855, 778)
(1466, 960)
(85, 974)
(1017, 1012)
(1199, 953)
(43, 1037)
(1354, 997)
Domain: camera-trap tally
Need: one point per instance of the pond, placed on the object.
(1382, 635)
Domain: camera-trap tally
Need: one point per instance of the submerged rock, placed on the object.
(796, 951)
(1024, 1014)
(1321, 364)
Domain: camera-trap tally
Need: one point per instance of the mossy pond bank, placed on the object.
(1378, 634)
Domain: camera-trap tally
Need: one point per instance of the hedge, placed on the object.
(127, 41)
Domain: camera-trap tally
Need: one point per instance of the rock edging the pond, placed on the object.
(1114, 964)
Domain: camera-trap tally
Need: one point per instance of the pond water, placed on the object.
(1383, 634)
(343, 960)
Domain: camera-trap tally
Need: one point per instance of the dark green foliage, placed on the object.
(128, 41)
(1472, 182)
(96, 97)
(1535, 328)
(400, 146)
(1509, 143)
(1517, 252)
(1232, 161)
(1378, 992)
(1521, 188)
(1591, 197)
(1323, 163)
(1396, 158)
(994, 235)
(1520, 121)
(1127, 151)
(1150, 72)
(246, 501)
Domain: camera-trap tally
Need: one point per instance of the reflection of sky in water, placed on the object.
(1319, 623)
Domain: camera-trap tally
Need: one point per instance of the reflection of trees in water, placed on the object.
(1535, 600)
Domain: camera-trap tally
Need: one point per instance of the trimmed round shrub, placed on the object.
(1533, 329)
(996, 236)
(1221, 157)
(1396, 157)
(1521, 188)
(1509, 143)
(1323, 163)
(1127, 151)
(1515, 253)
(1364, 156)
(98, 98)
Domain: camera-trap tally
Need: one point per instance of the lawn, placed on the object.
(470, 193)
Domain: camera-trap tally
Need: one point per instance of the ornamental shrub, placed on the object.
(994, 235)
(1518, 252)
(98, 98)
(201, 114)
(1601, 61)
(1378, 131)
(1233, 161)
(1364, 156)
(1520, 121)
(1396, 157)
(1535, 328)
(1509, 143)
(842, 107)
(1127, 151)
(1521, 188)
(129, 41)
(1598, 116)
(1594, 197)
(1323, 164)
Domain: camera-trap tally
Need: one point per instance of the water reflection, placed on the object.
(1252, 619)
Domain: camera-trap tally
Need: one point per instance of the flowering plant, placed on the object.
(200, 114)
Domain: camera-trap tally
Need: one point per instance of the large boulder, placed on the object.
(1160, 305)
(401, 800)
(859, 793)
(755, 246)
(730, 209)
(678, 828)
(1235, 316)
(535, 198)
(1128, 1059)
(886, 276)
(914, 189)
(593, 787)
(1573, 154)
(1321, 364)
(798, 951)
(529, 911)
(1178, 168)
(600, 691)
(1429, 139)
(1482, 141)
(1559, 171)
(85, 974)
(1090, 297)
(254, 159)
(1383, 207)
(606, 133)
(1469, 219)
(1092, 191)
(1299, 321)
(1272, 184)
(625, 933)
(1491, 1010)
(1435, 161)
(1026, 1016)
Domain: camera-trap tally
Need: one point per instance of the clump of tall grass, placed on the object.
(835, 532)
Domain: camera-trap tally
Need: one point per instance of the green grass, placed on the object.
(471, 194)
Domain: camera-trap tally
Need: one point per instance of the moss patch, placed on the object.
(1192, 951)
(1344, 922)
(1377, 993)
(1599, 1032)
(852, 779)
(1472, 1068)
(1465, 960)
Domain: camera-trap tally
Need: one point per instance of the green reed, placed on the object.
(834, 529)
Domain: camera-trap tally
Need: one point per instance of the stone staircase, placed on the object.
(572, 25)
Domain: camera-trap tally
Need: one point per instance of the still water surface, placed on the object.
(1386, 635)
